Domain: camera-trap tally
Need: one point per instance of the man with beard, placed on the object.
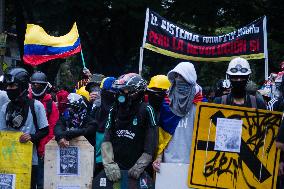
(131, 132)
(238, 73)
(39, 86)
(23, 115)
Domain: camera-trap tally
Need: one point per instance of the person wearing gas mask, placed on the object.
(75, 122)
(23, 115)
(238, 73)
(100, 114)
(177, 116)
(131, 132)
(39, 87)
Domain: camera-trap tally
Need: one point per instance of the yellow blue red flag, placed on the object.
(39, 47)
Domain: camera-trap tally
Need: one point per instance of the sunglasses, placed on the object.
(242, 70)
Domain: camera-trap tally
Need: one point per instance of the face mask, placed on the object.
(38, 90)
(182, 87)
(13, 94)
(238, 88)
(156, 99)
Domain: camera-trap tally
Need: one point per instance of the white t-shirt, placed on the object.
(29, 126)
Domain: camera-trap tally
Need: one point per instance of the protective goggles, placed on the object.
(239, 69)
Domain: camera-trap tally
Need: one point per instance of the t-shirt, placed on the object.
(178, 149)
(131, 135)
(29, 126)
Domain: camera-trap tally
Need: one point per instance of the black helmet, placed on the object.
(19, 76)
(131, 82)
(39, 77)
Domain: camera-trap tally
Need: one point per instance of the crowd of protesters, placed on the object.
(121, 117)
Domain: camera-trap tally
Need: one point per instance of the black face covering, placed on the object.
(156, 99)
(13, 94)
(107, 99)
(239, 88)
(38, 91)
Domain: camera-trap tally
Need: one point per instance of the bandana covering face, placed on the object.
(181, 97)
(183, 88)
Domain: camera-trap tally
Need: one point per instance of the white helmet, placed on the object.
(238, 66)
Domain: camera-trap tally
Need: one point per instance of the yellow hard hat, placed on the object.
(159, 81)
(82, 91)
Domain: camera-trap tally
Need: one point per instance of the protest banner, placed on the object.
(15, 161)
(167, 38)
(71, 167)
(234, 147)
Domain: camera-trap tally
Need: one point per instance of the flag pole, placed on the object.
(83, 60)
(265, 49)
(143, 43)
(82, 55)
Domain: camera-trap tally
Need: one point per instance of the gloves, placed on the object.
(140, 165)
(111, 168)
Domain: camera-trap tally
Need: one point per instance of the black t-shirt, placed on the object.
(229, 101)
(131, 134)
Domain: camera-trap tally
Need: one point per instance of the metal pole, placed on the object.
(2, 15)
(2, 20)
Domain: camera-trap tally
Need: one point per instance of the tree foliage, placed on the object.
(111, 31)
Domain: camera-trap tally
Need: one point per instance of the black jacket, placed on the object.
(88, 130)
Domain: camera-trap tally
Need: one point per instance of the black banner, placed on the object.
(165, 37)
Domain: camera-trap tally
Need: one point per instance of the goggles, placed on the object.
(239, 69)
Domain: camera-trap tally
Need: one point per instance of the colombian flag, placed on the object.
(168, 124)
(39, 47)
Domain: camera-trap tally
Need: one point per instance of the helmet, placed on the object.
(19, 76)
(239, 66)
(95, 80)
(82, 91)
(107, 83)
(131, 82)
(159, 81)
(39, 78)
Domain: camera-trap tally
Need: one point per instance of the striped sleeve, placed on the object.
(152, 117)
